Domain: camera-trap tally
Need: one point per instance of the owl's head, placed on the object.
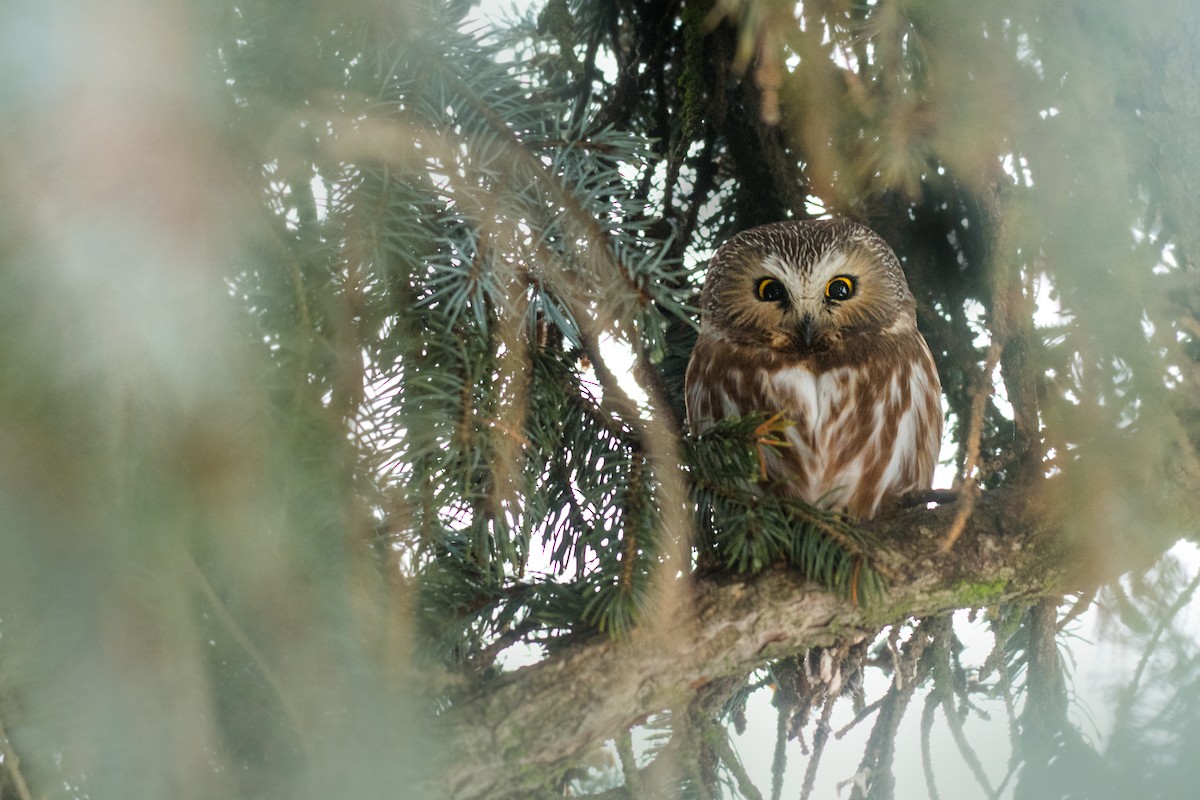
(805, 287)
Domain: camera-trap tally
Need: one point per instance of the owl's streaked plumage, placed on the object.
(814, 320)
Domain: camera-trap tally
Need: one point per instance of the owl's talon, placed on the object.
(767, 434)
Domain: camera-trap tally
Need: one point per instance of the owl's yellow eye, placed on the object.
(840, 288)
(770, 290)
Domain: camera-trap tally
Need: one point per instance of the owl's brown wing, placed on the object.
(729, 380)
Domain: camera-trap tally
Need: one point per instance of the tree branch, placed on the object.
(527, 726)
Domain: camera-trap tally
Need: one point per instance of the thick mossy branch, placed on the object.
(529, 725)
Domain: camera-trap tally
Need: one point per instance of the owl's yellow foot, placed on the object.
(769, 434)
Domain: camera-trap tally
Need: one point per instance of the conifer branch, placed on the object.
(733, 625)
(858, 718)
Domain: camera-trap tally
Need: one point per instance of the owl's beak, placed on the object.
(808, 329)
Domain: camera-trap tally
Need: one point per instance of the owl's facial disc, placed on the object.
(824, 290)
(801, 308)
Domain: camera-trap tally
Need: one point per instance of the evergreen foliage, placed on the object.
(479, 270)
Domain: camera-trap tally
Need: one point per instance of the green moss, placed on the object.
(966, 594)
(974, 595)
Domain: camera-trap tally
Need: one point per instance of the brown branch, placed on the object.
(1014, 728)
(534, 722)
(876, 764)
(970, 485)
(1081, 605)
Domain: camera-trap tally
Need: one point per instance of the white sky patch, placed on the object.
(619, 358)
(1048, 311)
(976, 316)
(1147, 326)
(945, 471)
(320, 193)
(1169, 260)
(521, 654)
(1000, 394)
(815, 206)
(1174, 377)
(1017, 168)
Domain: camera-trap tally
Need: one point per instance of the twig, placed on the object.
(686, 743)
(970, 487)
(874, 774)
(487, 656)
(1184, 597)
(842, 532)
(614, 395)
(1010, 706)
(631, 540)
(968, 753)
(893, 643)
(1008, 776)
(1081, 605)
(859, 717)
(926, 757)
(820, 737)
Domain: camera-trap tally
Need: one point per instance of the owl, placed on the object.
(813, 323)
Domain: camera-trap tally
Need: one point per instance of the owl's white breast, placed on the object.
(855, 439)
(816, 405)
